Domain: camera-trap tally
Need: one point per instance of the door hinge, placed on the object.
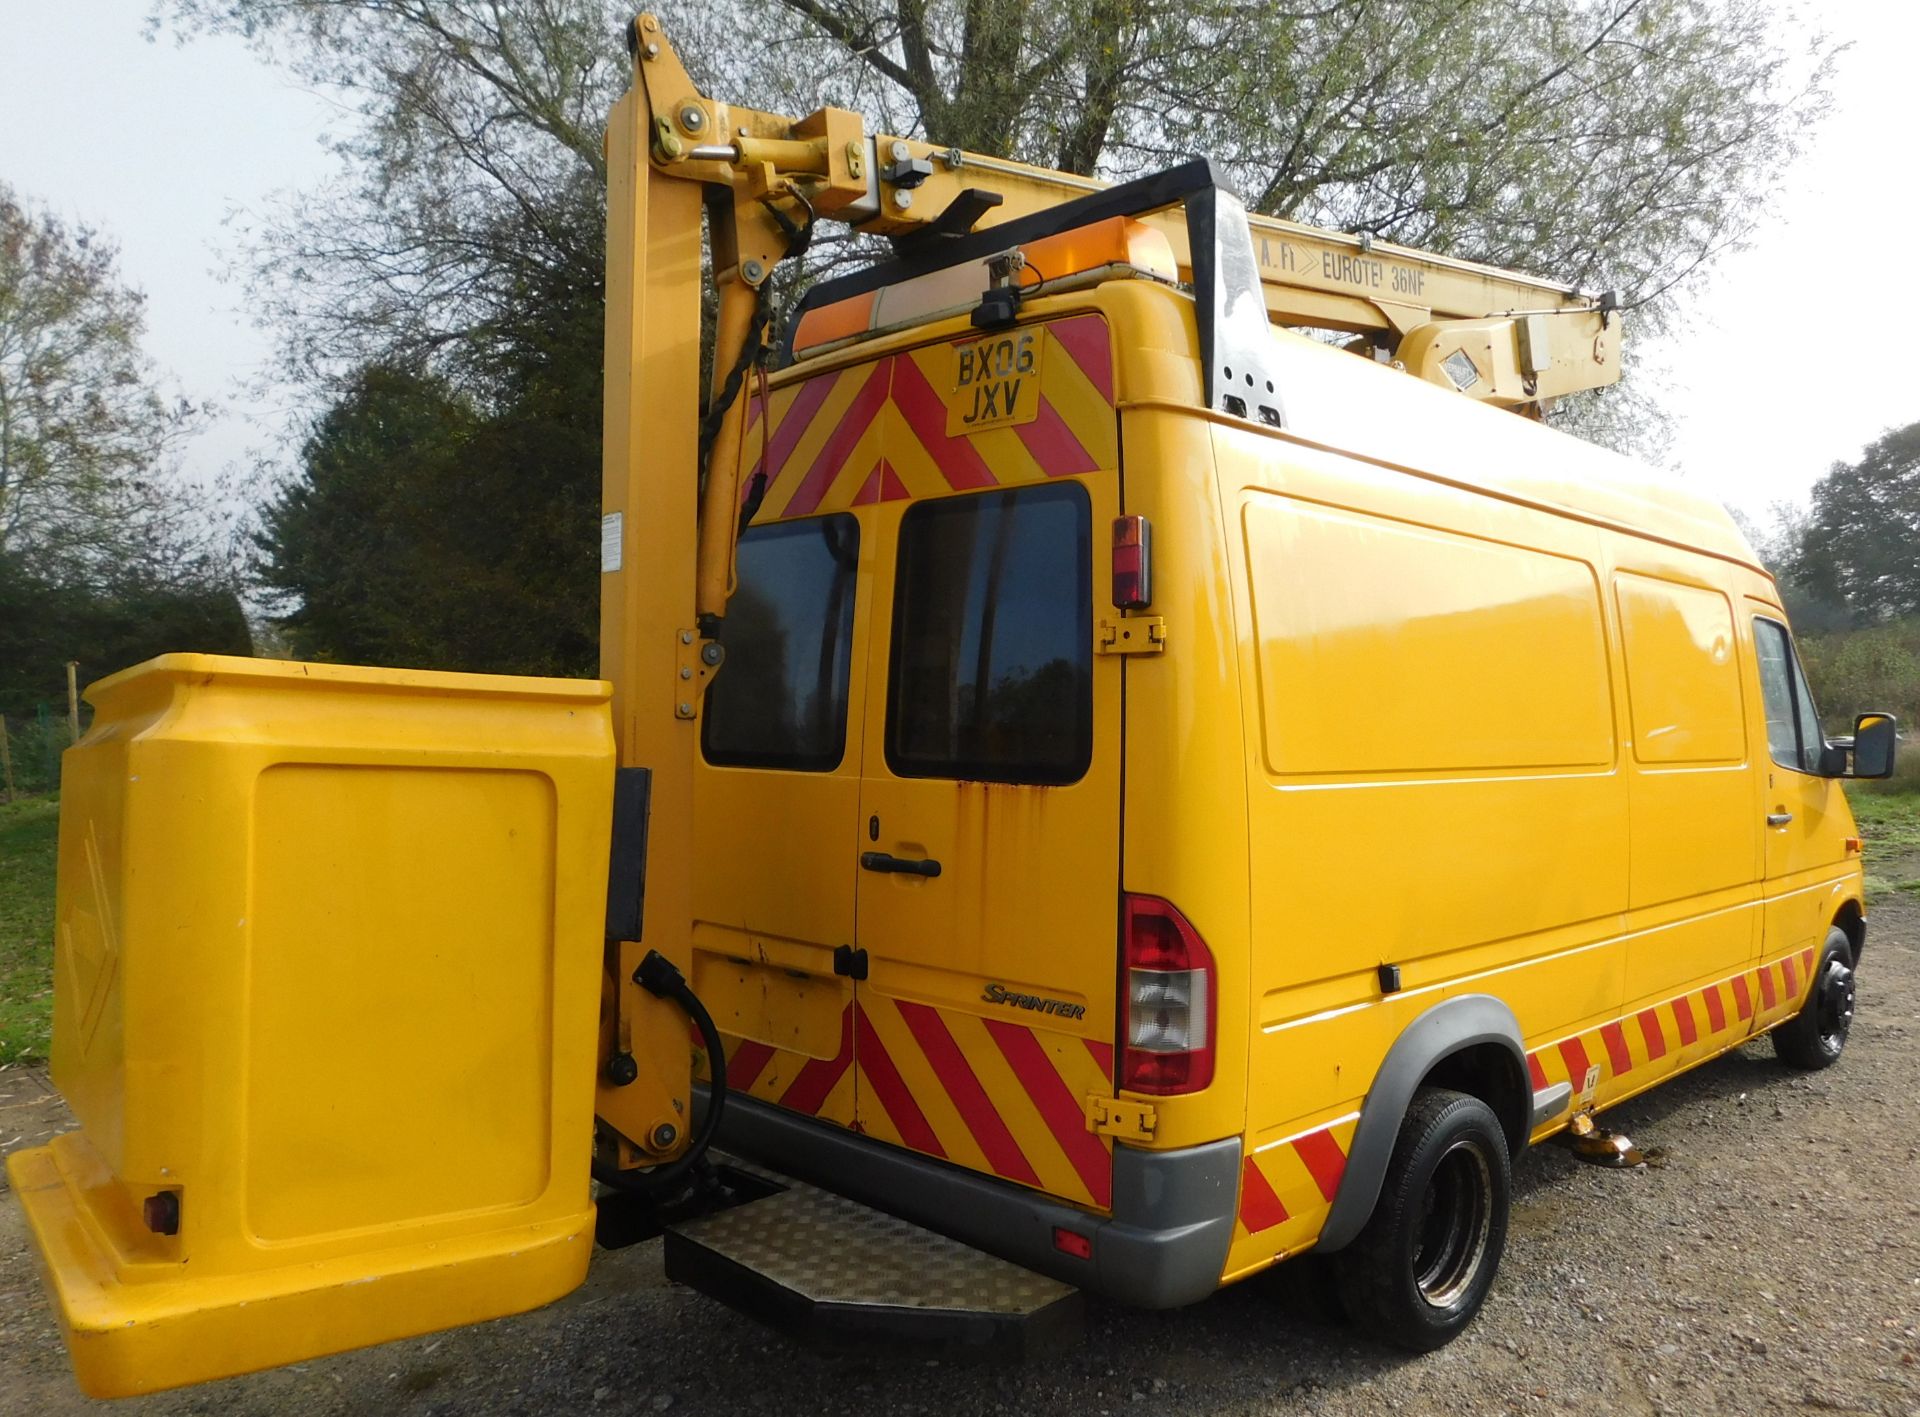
(850, 962)
(695, 659)
(1120, 1117)
(1136, 634)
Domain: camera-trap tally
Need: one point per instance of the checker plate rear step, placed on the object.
(820, 1266)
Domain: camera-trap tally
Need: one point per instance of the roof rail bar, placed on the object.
(1235, 338)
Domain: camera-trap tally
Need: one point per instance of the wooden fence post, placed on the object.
(73, 698)
(6, 760)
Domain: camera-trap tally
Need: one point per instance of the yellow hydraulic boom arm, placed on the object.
(764, 179)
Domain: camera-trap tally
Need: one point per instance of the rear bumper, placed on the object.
(1165, 1244)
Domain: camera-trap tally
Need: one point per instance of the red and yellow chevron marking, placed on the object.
(819, 1087)
(1635, 1051)
(877, 432)
(988, 1094)
(1287, 1187)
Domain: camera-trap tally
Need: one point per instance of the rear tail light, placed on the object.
(1167, 1000)
(1132, 563)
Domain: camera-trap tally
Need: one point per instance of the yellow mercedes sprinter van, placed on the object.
(1150, 836)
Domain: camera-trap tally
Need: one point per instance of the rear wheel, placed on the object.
(1421, 1268)
(1815, 1037)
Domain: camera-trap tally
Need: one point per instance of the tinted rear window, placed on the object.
(780, 701)
(992, 673)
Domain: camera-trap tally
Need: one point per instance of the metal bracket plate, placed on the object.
(1137, 634)
(695, 658)
(1121, 1117)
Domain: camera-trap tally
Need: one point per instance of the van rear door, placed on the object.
(776, 803)
(988, 887)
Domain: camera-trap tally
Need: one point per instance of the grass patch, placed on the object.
(1889, 821)
(29, 830)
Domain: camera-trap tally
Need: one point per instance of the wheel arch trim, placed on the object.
(1451, 1026)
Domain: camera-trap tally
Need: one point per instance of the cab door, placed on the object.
(776, 800)
(1805, 816)
(988, 857)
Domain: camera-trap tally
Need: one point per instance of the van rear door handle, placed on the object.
(898, 865)
(1779, 819)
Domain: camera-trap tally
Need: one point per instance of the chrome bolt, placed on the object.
(685, 673)
(692, 118)
(712, 653)
(686, 637)
(686, 710)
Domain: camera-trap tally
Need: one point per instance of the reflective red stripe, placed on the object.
(832, 457)
(882, 485)
(1260, 1208)
(1683, 1015)
(1053, 445)
(925, 414)
(1806, 962)
(813, 1082)
(1536, 1072)
(1574, 1054)
(970, 1099)
(1742, 999)
(799, 416)
(876, 1064)
(1792, 976)
(1326, 1162)
(1617, 1054)
(1650, 1030)
(1716, 1011)
(1058, 1107)
(749, 1060)
(1103, 1055)
(1086, 344)
(1767, 993)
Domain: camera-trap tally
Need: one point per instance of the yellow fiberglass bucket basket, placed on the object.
(327, 963)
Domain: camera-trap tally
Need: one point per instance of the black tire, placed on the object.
(1815, 1037)
(1419, 1271)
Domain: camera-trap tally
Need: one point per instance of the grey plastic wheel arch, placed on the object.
(1443, 1030)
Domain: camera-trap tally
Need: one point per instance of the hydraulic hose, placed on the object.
(658, 977)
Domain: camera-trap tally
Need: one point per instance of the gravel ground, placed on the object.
(1770, 1264)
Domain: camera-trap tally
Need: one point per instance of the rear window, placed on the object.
(992, 673)
(780, 701)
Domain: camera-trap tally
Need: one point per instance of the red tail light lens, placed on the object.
(1132, 563)
(1167, 1000)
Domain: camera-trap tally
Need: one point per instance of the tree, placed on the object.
(44, 623)
(1860, 542)
(424, 531)
(472, 182)
(1609, 143)
(1612, 143)
(85, 434)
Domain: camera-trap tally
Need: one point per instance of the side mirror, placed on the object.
(1873, 739)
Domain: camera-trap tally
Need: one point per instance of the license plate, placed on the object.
(996, 382)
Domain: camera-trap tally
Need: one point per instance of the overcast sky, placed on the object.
(1785, 364)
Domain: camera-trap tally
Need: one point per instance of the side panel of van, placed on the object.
(1434, 784)
(1693, 801)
